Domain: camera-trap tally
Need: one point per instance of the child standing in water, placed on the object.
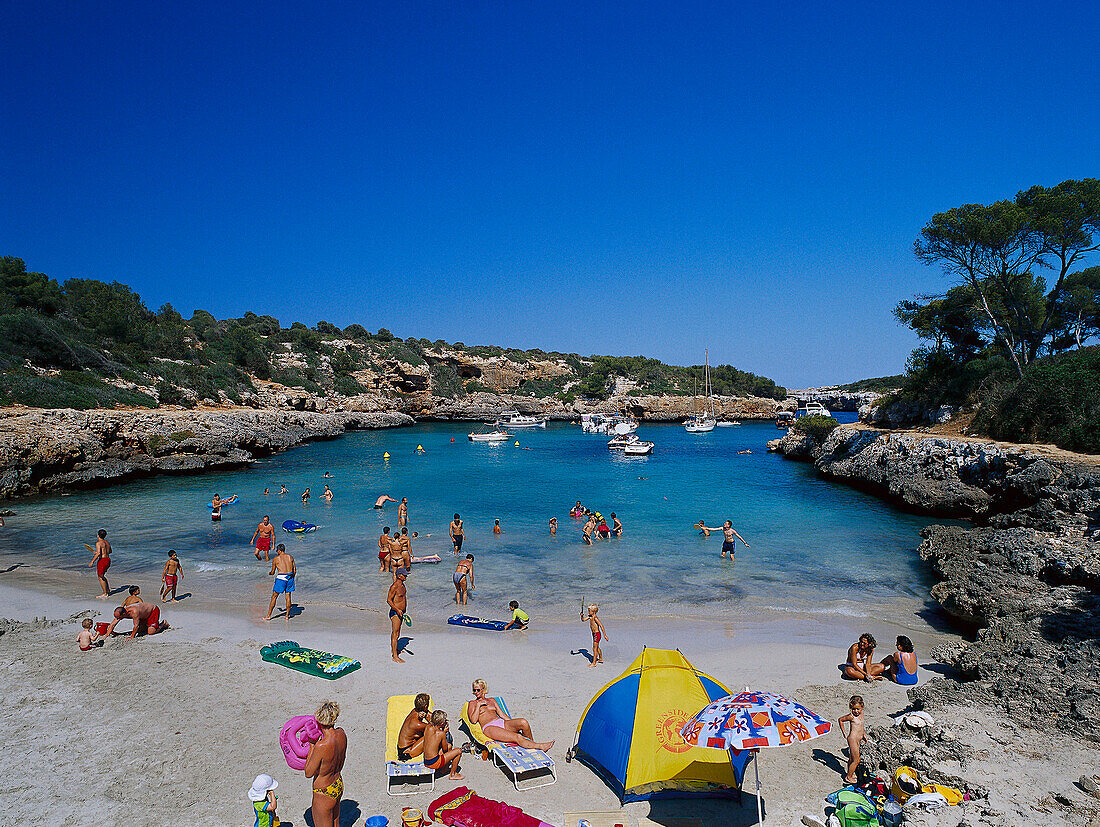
(598, 633)
(856, 735)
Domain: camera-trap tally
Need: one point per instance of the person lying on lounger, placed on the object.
(410, 738)
(496, 725)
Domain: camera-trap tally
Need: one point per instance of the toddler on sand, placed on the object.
(262, 796)
(598, 633)
(87, 638)
(856, 735)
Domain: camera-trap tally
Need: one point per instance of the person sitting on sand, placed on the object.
(436, 743)
(146, 617)
(87, 638)
(901, 666)
(520, 618)
(172, 574)
(860, 665)
(133, 597)
(728, 543)
(324, 761)
(498, 726)
(410, 738)
(284, 569)
(381, 501)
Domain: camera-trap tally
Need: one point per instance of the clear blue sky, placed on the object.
(595, 177)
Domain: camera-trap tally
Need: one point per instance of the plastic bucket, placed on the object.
(891, 814)
(101, 628)
(412, 817)
(377, 821)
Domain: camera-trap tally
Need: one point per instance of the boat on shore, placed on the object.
(499, 435)
(518, 421)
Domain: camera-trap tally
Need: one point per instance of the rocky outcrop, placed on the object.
(49, 450)
(1025, 583)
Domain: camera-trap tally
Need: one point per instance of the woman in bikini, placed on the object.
(463, 571)
(860, 665)
(498, 726)
(324, 761)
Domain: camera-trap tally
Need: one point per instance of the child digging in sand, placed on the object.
(87, 638)
(598, 633)
(856, 735)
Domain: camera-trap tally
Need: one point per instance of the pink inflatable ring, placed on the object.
(298, 733)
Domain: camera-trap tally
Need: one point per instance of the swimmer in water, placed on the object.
(283, 489)
(381, 501)
(553, 526)
(328, 493)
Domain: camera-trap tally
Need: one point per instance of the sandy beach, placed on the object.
(172, 728)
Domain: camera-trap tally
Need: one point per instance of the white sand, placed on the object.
(172, 729)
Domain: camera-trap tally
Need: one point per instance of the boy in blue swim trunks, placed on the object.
(282, 566)
(728, 534)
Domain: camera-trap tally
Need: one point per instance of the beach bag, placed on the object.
(854, 808)
(874, 787)
(906, 783)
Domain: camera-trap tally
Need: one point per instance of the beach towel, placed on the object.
(462, 806)
(311, 661)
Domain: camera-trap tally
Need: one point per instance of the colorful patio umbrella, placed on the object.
(753, 721)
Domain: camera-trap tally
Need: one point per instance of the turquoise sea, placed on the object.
(816, 546)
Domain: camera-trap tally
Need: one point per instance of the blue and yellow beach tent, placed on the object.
(630, 732)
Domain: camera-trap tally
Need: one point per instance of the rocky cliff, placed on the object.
(47, 450)
(1025, 582)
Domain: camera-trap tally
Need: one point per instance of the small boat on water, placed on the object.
(638, 448)
(721, 423)
(620, 441)
(608, 424)
(704, 421)
(499, 435)
(516, 420)
(813, 409)
(783, 419)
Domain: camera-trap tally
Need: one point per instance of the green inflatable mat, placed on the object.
(311, 661)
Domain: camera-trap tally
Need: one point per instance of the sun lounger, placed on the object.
(411, 774)
(535, 766)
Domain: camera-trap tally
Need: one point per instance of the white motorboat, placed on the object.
(721, 423)
(608, 424)
(813, 409)
(620, 441)
(514, 419)
(704, 421)
(498, 435)
(783, 419)
(638, 448)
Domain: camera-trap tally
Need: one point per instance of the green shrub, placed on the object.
(445, 381)
(347, 385)
(28, 388)
(817, 428)
(1057, 401)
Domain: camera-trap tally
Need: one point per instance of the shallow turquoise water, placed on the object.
(816, 546)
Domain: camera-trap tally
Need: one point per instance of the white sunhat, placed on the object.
(263, 784)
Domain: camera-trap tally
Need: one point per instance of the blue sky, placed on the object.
(593, 177)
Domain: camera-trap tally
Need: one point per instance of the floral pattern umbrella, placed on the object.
(753, 721)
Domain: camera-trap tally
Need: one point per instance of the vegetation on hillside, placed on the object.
(816, 427)
(880, 384)
(1008, 335)
(87, 343)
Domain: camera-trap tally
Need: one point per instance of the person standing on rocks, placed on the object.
(102, 562)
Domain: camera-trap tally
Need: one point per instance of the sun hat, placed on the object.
(263, 784)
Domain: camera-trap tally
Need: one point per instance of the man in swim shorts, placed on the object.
(398, 601)
(403, 512)
(282, 566)
(464, 570)
(457, 534)
(728, 543)
(146, 618)
(173, 573)
(324, 761)
(498, 726)
(263, 537)
(216, 509)
(410, 738)
(102, 561)
(381, 501)
(616, 526)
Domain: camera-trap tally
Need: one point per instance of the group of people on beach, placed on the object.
(144, 615)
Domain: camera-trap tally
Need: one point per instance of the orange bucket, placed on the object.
(411, 817)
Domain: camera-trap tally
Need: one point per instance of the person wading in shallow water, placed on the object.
(728, 543)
